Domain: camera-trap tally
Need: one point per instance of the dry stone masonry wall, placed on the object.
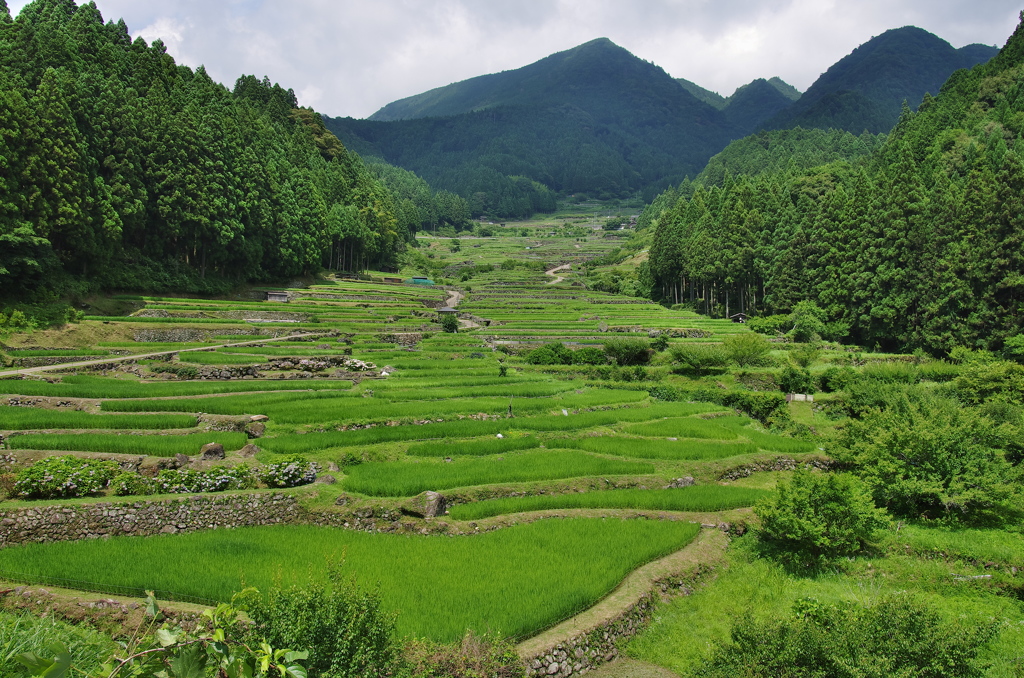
(144, 518)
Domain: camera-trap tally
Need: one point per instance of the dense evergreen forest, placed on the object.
(917, 245)
(121, 169)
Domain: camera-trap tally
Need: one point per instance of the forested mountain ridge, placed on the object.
(122, 169)
(598, 121)
(864, 91)
(920, 246)
(594, 119)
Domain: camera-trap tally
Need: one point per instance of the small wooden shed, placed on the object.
(389, 279)
(277, 296)
(447, 310)
(739, 317)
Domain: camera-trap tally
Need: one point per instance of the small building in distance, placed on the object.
(739, 317)
(389, 279)
(420, 280)
(447, 310)
(277, 296)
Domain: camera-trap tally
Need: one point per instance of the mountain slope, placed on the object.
(752, 104)
(593, 119)
(866, 89)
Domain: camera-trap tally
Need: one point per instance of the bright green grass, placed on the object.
(404, 479)
(697, 498)
(22, 418)
(151, 445)
(79, 386)
(684, 630)
(976, 545)
(657, 449)
(681, 427)
(513, 582)
(472, 448)
(22, 632)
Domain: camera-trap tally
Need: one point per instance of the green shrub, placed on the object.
(474, 656)
(130, 484)
(590, 355)
(628, 351)
(816, 518)
(217, 479)
(805, 355)
(897, 636)
(836, 379)
(746, 349)
(700, 359)
(771, 324)
(449, 323)
(808, 320)
(933, 458)
(64, 477)
(794, 380)
(289, 473)
(347, 632)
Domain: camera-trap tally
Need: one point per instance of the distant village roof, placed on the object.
(447, 309)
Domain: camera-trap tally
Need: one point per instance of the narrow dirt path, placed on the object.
(555, 270)
(707, 549)
(141, 356)
(454, 298)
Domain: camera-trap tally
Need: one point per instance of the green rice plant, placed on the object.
(696, 498)
(150, 445)
(55, 353)
(513, 582)
(765, 441)
(472, 448)
(978, 545)
(166, 321)
(209, 358)
(681, 427)
(260, 403)
(80, 386)
(22, 418)
(519, 390)
(404, 479)
(656, 449)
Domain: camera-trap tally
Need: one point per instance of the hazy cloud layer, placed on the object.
(350, 57)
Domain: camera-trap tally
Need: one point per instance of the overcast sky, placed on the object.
(350, 57)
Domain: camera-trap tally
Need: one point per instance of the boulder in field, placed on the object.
(425, 505)
(212, 451)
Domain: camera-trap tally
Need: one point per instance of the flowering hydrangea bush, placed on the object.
(185, 481)
(64, 477)
(290, 473)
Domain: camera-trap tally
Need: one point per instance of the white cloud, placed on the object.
(350, 57)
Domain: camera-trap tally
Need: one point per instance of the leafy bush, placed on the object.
(291, 473)
(130, 484)
(806, 355)
(449, 323)
(770, 324)
(836, 379)
(347, 632)
(897, 636)
(794, 380)
(980, 382)
(628, 351)
(816, 518)
(932, 458)
(700, 359)
(64, 477)
(808, 320)
(746, 349)
(892, 373)
(590, 355)
(659, 343)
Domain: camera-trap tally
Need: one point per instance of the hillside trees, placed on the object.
(122, 169)
(915, 246)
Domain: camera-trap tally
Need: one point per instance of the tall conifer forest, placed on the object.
(121, 169)
(917, 245)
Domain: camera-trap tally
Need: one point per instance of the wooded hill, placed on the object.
(918, 245)
(122, 169)
(599, 121)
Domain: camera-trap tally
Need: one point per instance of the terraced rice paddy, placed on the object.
(512, 581)
(434, 412)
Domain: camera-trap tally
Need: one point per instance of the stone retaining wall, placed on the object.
(589, 649)
(144, 518)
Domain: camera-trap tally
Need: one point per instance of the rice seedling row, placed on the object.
(23, 418)
(151, 445)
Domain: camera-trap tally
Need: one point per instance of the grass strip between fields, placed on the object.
(697, 498)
